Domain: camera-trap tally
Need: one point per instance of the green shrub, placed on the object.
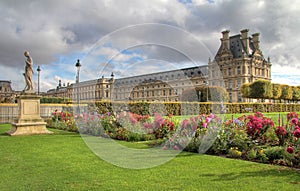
(234, 152)
(251, 154)
(186, 108)
(274, 153)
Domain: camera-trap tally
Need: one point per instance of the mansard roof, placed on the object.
(237, 48)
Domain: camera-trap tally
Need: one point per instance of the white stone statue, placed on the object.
(28, 73)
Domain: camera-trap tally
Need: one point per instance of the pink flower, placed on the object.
(195, 127)
(208, 120)
(297, 133)
(290, 150)
(185, 123)
(176, 147)
(133, 120)
(294, 121)
(204, 125)
(211, 115)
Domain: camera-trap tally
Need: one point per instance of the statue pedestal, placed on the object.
(29, 121)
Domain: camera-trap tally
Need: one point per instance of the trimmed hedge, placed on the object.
(190, 108)
(55, 100)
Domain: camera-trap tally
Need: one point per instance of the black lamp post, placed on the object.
(77, 65)
(39, 71)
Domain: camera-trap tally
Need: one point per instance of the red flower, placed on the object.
(290, 150)
(297, 133)
(292, 115)
(281, 131)
(259, 114)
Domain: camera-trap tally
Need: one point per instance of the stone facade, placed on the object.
(161, 86)
(6, 93)
(239, 60)
(99, 89)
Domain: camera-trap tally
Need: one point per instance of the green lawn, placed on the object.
(62, 161)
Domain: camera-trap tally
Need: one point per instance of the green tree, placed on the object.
(211, 93)
(189, 95)
(218, 94)
(277, 91)
(245, 90)
(261, 89)
(296, 93)
(287, 92)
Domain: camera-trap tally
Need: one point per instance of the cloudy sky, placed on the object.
(131, 37)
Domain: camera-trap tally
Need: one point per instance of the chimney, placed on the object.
(225, 40)
(245, 39)
(255, 40)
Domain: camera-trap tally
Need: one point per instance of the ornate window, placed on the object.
(238, 70)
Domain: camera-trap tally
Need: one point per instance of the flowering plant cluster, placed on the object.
(254, 137)
(289, 137)
(257, 125)
(194, 133)
(162, 127)
(251, 137)
(61, 116)
(232, 134)
(62, 120)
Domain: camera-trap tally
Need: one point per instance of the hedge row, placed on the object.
(190, 108)
(55, 100)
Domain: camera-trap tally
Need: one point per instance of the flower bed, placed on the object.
(250, 137)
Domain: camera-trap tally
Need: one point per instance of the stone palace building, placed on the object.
(239, 60)
(6, 93)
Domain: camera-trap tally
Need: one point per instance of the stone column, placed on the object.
(29, 120)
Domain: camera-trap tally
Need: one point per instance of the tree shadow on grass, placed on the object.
(292, 175)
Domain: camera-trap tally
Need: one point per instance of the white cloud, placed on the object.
(54, 29)
(285, 75)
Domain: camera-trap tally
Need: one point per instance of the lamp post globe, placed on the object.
(38, 70)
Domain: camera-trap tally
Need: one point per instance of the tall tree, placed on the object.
(277, 91)
(287, 92)
(245, 90)
(261, 89)
(296, 93)
(218, 94)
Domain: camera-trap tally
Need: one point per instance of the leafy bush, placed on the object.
(232, 134)
(55, 100)
(274, 153)
(234, 152)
